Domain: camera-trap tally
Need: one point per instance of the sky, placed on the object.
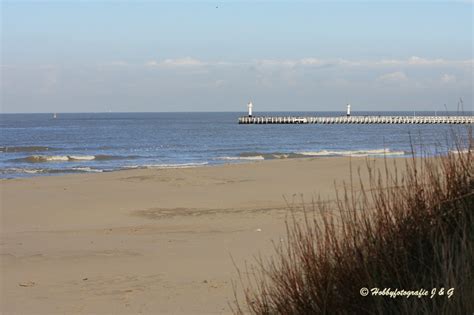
(152, 56)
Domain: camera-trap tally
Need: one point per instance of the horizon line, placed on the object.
(264, 111)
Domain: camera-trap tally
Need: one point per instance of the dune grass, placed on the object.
(409, 230)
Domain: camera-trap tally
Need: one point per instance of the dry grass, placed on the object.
(408, 230)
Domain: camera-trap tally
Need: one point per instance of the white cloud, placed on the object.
(188, 62)
(152, 63)
(182, 62)
(419, 61)
(448, 78)
(398, 76)
(275, 63)
(311, 62)
(413, 61)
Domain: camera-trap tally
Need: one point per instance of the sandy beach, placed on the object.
(151, 241)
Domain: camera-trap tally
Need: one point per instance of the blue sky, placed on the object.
(75, 56)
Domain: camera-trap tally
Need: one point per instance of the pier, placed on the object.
(349, 119)
(356, 120)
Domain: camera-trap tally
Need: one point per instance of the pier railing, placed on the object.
(357, 120)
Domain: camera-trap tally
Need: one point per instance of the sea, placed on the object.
(41, 145)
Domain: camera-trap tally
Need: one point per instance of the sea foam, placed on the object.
(69, 158)
(303, 154)
(355, 153)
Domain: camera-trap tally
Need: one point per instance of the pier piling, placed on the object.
(356, 120)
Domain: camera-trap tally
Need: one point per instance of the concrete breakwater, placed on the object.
(356, 120)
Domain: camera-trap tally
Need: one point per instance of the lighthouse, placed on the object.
(250, 106)
(348, 110)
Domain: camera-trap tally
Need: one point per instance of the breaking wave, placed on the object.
(293, 155)
(70, 158)
(460, 151)
(15, 171)
(232, 158)
(33, 171)
(163, 166)
(356, 153)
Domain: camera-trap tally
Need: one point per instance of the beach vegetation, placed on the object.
(400, 243)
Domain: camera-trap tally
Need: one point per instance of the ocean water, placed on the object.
(38, 144)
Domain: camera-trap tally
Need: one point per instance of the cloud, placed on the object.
(275, 63)
(117, 63)
(180, 62)
(309, 62)
(419, 61)
(398, 76)
(414, 60)
(278, 82)
(411, 61)
(312, 62)
(152, 63)
(303, 62)
(448, 78)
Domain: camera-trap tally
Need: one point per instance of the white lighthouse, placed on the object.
(250, 107)
(348, 110)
